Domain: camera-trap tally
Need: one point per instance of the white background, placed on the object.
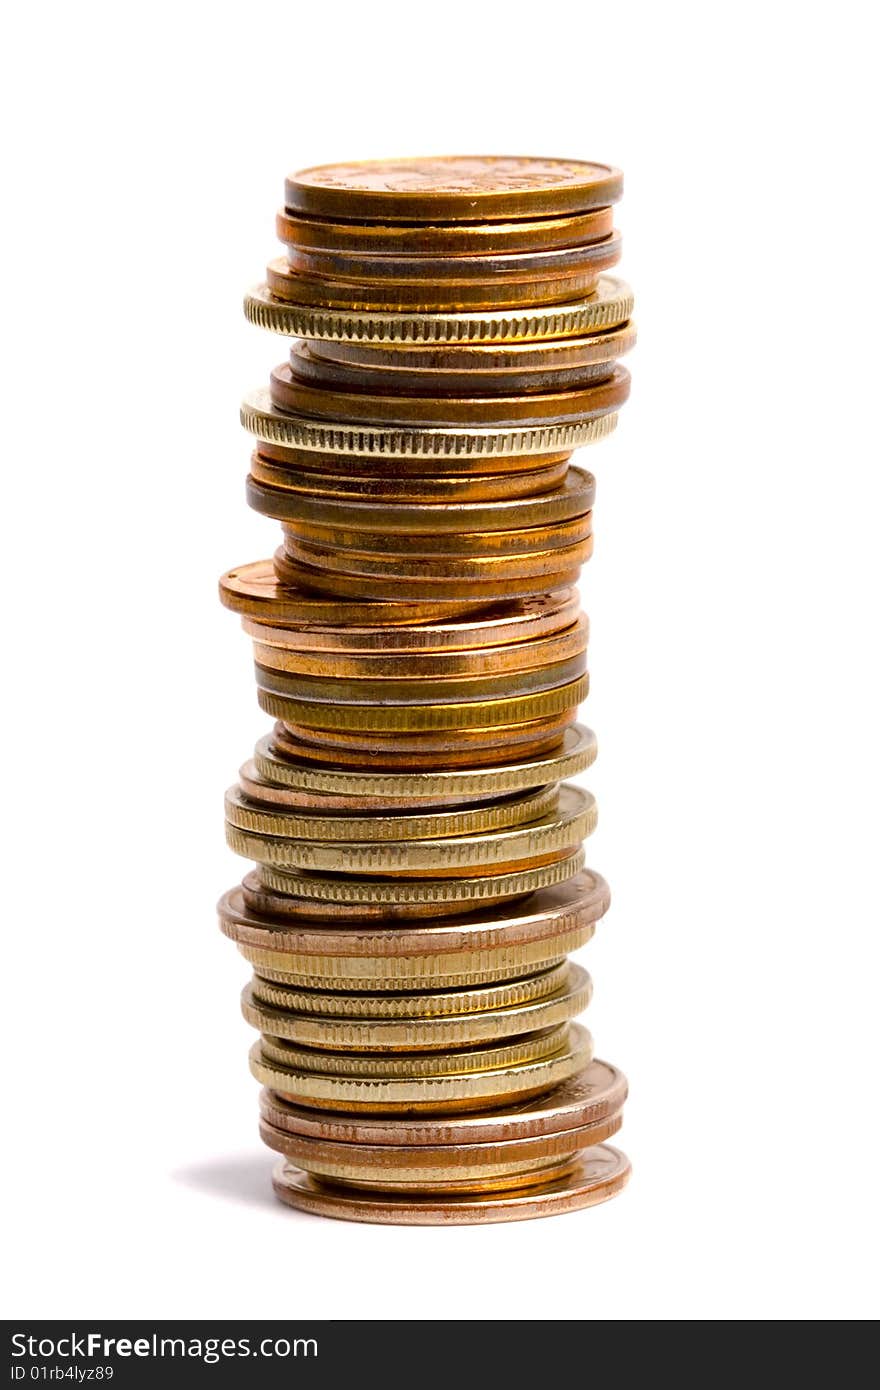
(733, 597)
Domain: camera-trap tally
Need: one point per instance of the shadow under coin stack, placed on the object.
(420, 874)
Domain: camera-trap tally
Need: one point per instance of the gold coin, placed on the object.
(599, 1173)
(250, 816)
(254, 590)
(256, 788)
(413, 1009)
(426, 575)
(411, 1066)
(297, 397)
(280, 655)
(464, 969)
(493, 487)
(585, 1099)
(557, 832)
(392, 691)
(454, 1090)
(440, 273)
(452, 188)
(547, 913)
(576, 753)
(467, 238)
(572, 499)
(610, 304)
(476, 593)
(359, 1034)
(481, 714)
(282, 892)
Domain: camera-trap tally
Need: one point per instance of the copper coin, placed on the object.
(443, 545)
(467, 238)
(291, 394)
(587, 1098)
(598, 1174)
(399, 466)
(473, 593)
(452, 188)
(470, 748)
(428, 297)
(436, 271)
(493, 487)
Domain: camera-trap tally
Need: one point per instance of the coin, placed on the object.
(470, 593)
(520, 809)
(491, 487)
(597, 1175)
(413, 1008)
(262, 418)
(576, 753)
(452, 188)
(393, 692)
(425, 750)
(271, 793)
(412, 1066)
(289, 892)
(374, 719)
(442, 545)
(462, 238)
(517, 656)
(424, 297)
(498, 1082)
(584, 1099)
(610, 304)
(438, 272)
(394, 467)
(254, 590)
(298, 397)
(359, 1034)
(483, 576)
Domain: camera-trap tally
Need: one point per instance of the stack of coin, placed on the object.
(420, 878)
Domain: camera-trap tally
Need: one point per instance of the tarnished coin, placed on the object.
(441, 273)
(452, 188)
(598, 1174)
(452, 239)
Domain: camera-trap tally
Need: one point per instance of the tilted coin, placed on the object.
(435, 546)
(402, 691)
(576, 753)
(246, 814)
(484, 576)
(254, 590)
(558, 570)
(423, 750)
(462, 238)
(610, 304)
(296, 396)
(584, 1099)
(412, 1066)
(367, 487)
(598, 1174)
(360, 1034)
(452, 188)
(270, 793)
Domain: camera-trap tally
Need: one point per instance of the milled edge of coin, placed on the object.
(580, 1188)
(609, 306)
(499, 1054)
(596, 1091)
(261, 418)
(473, 892)
(577, 754)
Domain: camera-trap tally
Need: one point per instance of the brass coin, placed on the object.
(270, 793)
(361, 1034)
(429, 297)
(575, 754)
(517, 656)
(392, 691)
(585, 1099)
(463, 970)
(412, 1066)
(520, 809)
(556, 833)
(573, 498)
(426, 575)
(610, 304)
(290, 893)
(516, 623)
(383, 1092)
(373, 719)
(298, 397)
(467, 238)
(432, 546)
(394, 467)
(255, 591)
(598, 1174)
(423, 750)
(547, 915)
(452, 188)
(262, 418)
(493, 487)
(441, 272)
(421, 1008)
(461, 595)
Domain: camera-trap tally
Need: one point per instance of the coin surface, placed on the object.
(452, 239)
(597, 1175)
(452, 188)
(610, 304)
